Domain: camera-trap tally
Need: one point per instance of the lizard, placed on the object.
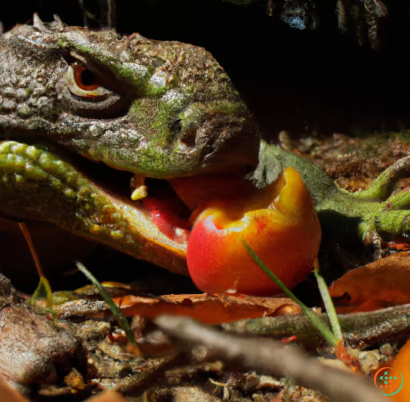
(75, 102)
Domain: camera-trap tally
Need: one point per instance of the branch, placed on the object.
(271, 358)
(358, 328)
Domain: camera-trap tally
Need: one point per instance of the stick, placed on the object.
(391, 323)
(271, 358)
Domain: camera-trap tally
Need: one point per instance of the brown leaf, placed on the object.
(210, 309)
(383, 282)
(8, 394)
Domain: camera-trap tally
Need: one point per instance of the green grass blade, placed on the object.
(43, 284)
(327, 301)
(118, 314)
(316, 320)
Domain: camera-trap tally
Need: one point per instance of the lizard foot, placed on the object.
(388, 226)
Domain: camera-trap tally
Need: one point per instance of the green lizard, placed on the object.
(155, 109)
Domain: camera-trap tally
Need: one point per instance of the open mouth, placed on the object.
(95, 201)
(169, 205)
(155, 199)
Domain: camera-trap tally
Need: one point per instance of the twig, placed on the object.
(43, 280)
(363, 329)
(29, 241)
(271, 358)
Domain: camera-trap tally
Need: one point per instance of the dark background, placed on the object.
(295, 80)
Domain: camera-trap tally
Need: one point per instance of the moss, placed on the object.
(155, 91)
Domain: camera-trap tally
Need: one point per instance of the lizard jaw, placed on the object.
(46, 183)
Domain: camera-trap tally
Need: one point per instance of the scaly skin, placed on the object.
(164, 110)
(380, 212)
(168, 108)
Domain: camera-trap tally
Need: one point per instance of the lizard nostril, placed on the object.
(189, 136)
(176, 126)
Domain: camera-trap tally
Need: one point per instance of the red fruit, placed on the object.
(279, 223)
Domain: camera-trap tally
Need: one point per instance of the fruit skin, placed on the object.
(279, 223)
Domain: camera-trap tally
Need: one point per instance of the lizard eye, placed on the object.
(88, 91)
(85, 79)
(84, 83)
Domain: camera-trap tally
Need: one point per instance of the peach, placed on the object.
(278, 222)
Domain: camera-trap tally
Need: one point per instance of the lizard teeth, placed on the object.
(139, 193)
(140, 189)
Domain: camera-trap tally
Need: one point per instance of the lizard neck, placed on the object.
(326, 195)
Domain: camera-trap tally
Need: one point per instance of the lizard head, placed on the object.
(144, 108)
(159, 109)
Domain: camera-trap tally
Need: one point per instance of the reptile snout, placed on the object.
(222, 133)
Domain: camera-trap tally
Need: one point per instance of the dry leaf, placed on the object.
(8, 394)
(209, 309)
(376, 285)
